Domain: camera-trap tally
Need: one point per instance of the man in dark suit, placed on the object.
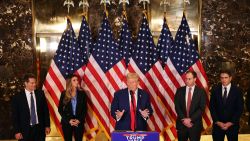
(190, 103)
(30, 112)
(226, 107)
(131, 106)
(248, 104)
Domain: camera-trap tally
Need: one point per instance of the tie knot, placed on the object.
(132, 92)
(190, 89)
(31, 93)
(225, 88)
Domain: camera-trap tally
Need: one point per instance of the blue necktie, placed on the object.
(225, 96)
(32, 110)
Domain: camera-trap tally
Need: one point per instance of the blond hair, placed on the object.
(132, 76)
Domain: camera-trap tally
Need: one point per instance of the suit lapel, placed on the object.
(220, 94)
(194, 97)
(139, 95)
(229, 96)
(37, 100)
(127, 99)
(183, 98)
(78, 101)
(26, 105)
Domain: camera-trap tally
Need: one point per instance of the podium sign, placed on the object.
(135, 136)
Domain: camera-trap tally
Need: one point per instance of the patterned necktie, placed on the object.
(32, 110)
(189, 101)
(225, 95)
(132, 111)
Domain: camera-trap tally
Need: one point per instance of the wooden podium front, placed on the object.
(134, 136)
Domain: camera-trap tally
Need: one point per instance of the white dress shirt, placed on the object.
(136, 97)
(187, 90)
(228, 88)
(28, 95)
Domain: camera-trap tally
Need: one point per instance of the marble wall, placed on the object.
(225, 43)
(16, 55)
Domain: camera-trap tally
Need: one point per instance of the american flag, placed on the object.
(145, 63)
(125, 42)
(165, 42)
(103, 75)
(125, 45)
(67, 60)
(165, 86)
(183, 57)
(85, 44)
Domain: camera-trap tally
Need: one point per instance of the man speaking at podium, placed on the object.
(131, 106)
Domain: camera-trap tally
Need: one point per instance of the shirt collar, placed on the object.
(190, 87)
(28, 92)
(135, 91)
(228, 86)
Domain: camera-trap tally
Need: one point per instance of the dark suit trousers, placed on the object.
(68, 131)
(231, 133)
(189, 133)
(35, 134)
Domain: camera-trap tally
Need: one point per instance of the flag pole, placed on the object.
(185, 2)
(68, 3)
(184, 6)
(123, 2)
(144, 2)
(165, 3)
(105, 2)
(85, 6)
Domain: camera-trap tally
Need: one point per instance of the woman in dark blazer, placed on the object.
(72, 108)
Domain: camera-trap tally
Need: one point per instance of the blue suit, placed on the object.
(121, 102)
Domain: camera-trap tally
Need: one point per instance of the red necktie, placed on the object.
(189, 101)
(132, 111)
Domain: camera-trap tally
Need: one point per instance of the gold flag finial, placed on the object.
(68, 3)
(144, 2)
(185, 2)
(123, 2)
(85, 6)
(105, 2)
(165, 3)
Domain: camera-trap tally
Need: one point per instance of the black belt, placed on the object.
(32, 126)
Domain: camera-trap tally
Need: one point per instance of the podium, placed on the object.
(134, 136)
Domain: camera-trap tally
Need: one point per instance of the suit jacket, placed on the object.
(21, 113)
(197, 108)
(248, 100)
(248, 104)
(121, 102)
(66, 111)
(229, 112)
